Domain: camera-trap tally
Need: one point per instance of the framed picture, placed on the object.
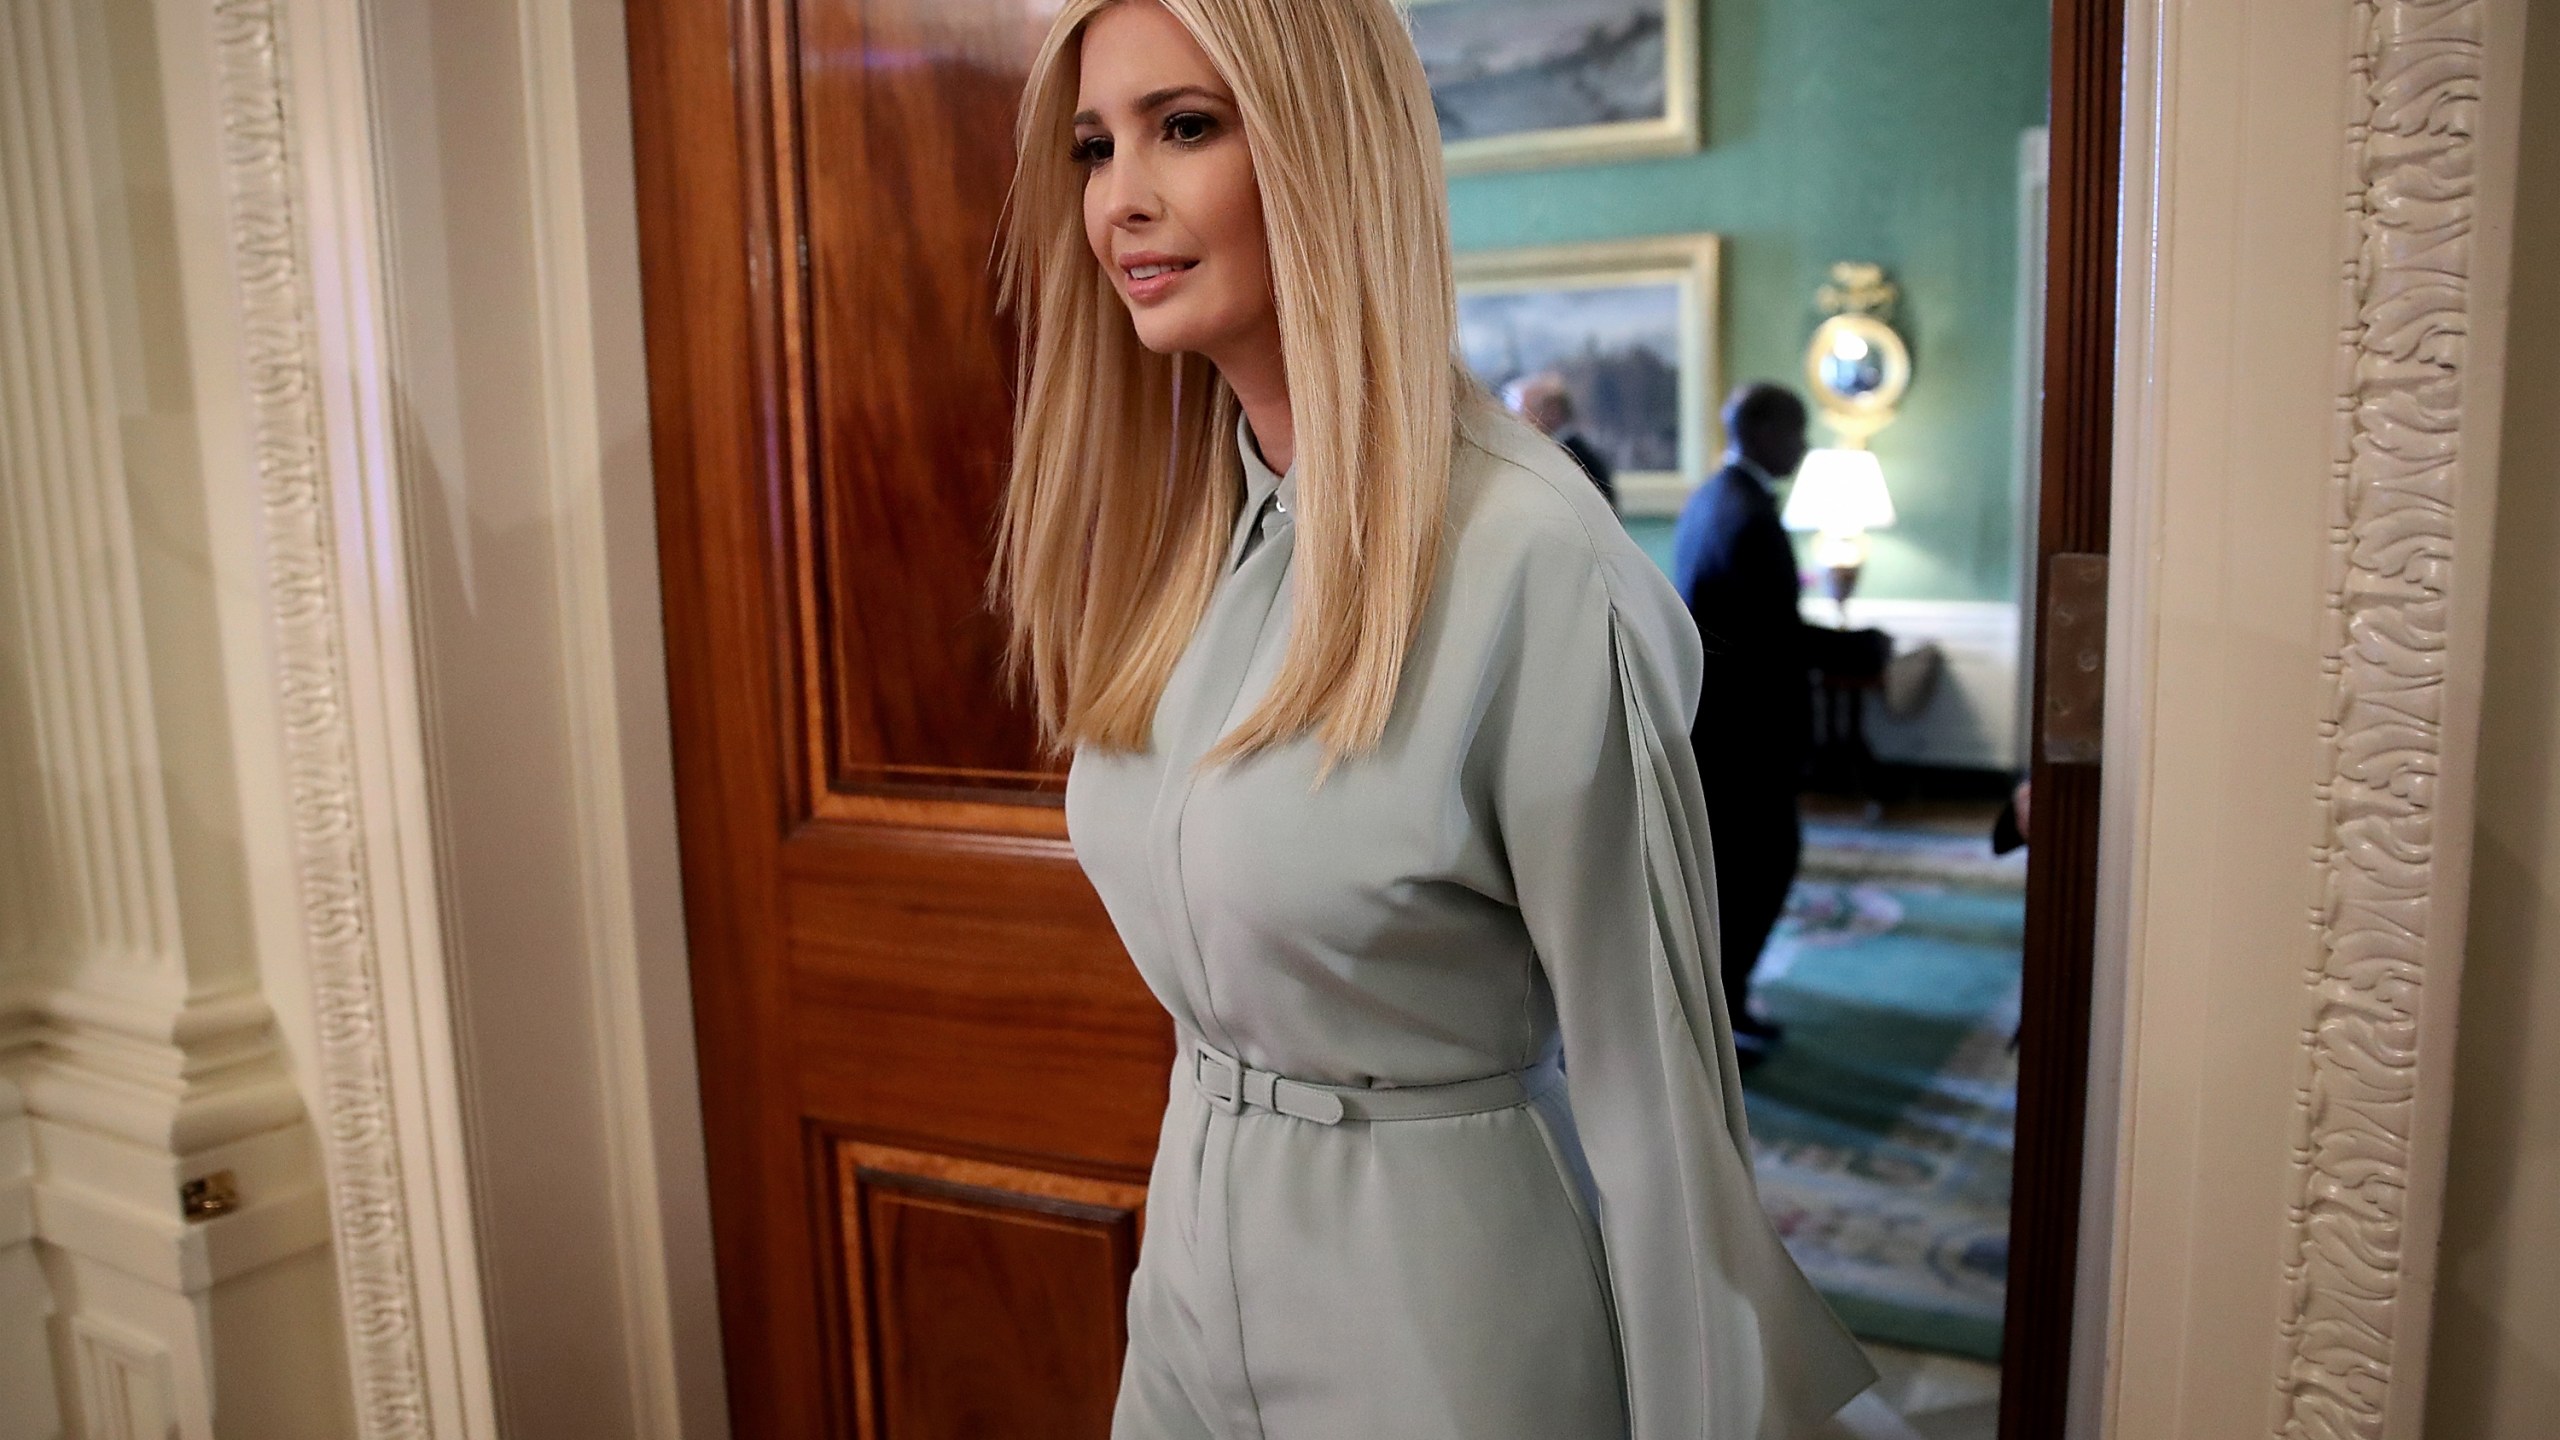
(1522, 83)
(1631, 329)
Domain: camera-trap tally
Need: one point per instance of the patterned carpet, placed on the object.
(1884, 1126)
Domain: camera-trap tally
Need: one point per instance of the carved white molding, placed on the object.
(178, 1082)
(129, 1102)
(107, 1109)
(398, 1206)
(100, 893)
(2416, 71)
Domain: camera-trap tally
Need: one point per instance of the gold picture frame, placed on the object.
(1461, 42)
(1520, 311)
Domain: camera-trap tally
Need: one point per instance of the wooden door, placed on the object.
(931, 1078)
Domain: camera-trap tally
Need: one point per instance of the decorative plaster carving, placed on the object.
(2396, 481)
(369, 1212)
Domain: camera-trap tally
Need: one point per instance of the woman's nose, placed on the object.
(1132, 196)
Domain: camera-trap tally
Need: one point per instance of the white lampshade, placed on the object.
(1839, 491)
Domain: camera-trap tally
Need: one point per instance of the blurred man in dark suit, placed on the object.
(1735, 566)
(1543, 401)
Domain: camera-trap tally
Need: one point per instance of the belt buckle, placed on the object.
(1226, 1092)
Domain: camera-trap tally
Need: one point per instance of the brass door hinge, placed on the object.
(2075, 659)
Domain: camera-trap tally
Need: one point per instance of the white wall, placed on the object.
(520, 408)
(2497, 1341)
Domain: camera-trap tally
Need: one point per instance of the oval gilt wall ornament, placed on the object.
(1857, 366)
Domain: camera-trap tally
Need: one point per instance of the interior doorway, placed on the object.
(914, 1239)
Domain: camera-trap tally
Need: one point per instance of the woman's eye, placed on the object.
(1190, 127)
(1090, 151)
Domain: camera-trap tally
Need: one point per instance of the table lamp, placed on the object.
(1840, 496)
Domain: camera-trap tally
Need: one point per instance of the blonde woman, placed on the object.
(1381, 768)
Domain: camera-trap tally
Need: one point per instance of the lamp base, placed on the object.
(1842, 582)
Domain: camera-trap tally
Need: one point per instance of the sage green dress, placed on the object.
(1521, 869)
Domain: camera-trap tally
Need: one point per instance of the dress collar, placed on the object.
(1260, 484)
(1270, 501)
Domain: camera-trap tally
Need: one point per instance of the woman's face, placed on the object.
(1170, 205)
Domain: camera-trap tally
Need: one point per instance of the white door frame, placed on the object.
(2293, 690)
(2316, 206)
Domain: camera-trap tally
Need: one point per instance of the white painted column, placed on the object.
(167, 1185)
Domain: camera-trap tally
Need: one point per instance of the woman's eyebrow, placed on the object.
(1155, 100)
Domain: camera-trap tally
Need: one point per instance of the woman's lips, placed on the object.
(1159, 278)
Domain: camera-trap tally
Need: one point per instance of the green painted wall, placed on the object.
(1883, 130)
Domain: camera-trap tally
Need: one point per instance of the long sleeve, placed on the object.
(1604, 832)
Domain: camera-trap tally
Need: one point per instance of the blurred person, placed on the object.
(1733, 564)
(1544, 401)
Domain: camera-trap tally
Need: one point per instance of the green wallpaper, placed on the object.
(1881, 130)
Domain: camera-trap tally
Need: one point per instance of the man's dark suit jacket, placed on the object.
(1733, 564)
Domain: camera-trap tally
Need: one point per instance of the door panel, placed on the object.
(992, 1297)
(989, 994)
(931, 1078)
(903, 130)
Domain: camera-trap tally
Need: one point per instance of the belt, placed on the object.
(1233, 1086)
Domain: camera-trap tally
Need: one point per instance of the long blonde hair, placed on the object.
(1123, 494)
